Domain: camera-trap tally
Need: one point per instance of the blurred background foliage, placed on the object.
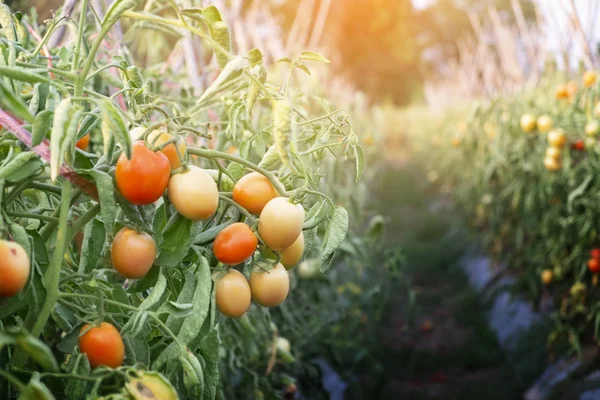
(386, 47)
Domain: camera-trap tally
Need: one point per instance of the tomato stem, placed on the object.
(206, 153)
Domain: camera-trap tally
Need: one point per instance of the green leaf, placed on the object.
(254, 88)
(580, 190)
(191, 327)
(21, 236)
(106, 194)
(137, 350)
(255, 57)
(285, 60)
(303, 67)
(282, 129)
(271, 159)
(148, 281)
(113, 125)
(76, 388)
(334, 235)
(209, 349)
(236, 170)
(312, 56)
(185, 296)
(359, 156)
(24, 74)
(36, 390)
(220, 34)
(64, 133)
(193, 377)
(34, 347)
(316, 215)
(38, 100)
(232, 69)
(94, 235)
(177, 241)
(10, 101)
(155, 294)
(212, 14)
(24, 165)
(41, 126)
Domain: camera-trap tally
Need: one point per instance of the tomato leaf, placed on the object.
(94, 235)
(359, 157)
(21, 236)
(41, 126)
(106, 194)
(271, 159)
(220, 34)
(64, 132)
(282, 129)
(36, 349)
(35, 389)
(186, 296)
(209, 349)
(24, 75)
(22, 166)
(312, 56)
(231, 70)
(113, 125)
(136, 350)
(193, 376)
(177, 240)
(334, 236)
(10, 101)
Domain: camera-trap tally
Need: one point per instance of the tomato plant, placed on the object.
(119, 190)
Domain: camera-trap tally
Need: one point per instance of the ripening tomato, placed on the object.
(158, 138)
(14, 268)
(571, 88)
(456, 141)
(553, 152)
(83, 143)
(103, 345)
(528, 123)
(292, 255)
(594, 265)
(233, 294)
(595, 253)
(547, 276)
(143, 178)
(253, 192)
(561, 92)
(544, 123)
(552, 164)
(235, 244)
(592, 128)
(133, 253)
(578, 145)
(194, 193)
(280, 223)
(557, 138)
(589, 78)
(270, 288)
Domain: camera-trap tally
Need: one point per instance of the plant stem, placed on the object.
(51, 278)
(233, 203)
(41, 217)
(12, 379)
(82, 221)
(84, 6)
(206, 153)
(96, 298)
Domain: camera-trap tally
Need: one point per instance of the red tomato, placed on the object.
(595, 253)
(144, 178)
(594, 265)
(235, 244)
(103, 345)
(578, 145)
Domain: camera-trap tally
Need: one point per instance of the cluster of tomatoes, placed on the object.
(142, 179)
(557, 138)
(593, 265)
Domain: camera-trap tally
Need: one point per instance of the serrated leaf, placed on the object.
(10, 101)
(285, 60)
(233, 67)
(94, 235)
(334, 235)
(106, 195)
(17, 164)
(177, 240)
(282, 129)
(311, 55)
(24, 75)
(212, 14)
(255, 57)
(271, 159)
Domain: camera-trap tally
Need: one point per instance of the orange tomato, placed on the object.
(103, 345)
(194, 193)
(14, 268)
(158, 138)
(589, 78)
(253, 192)
(594, 265)
(292, 255)
(547, 276)
(133, 253)
(270, 288)
(233, 295)
(143, 178)
(83, 143)
(561, 92)
(557, 138)
(280, 223)
(235, 244)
